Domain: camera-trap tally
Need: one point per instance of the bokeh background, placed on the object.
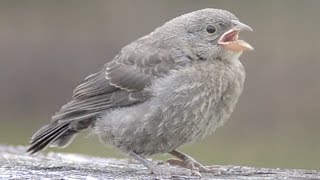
(48, 47)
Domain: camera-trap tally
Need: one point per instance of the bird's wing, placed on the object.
(134, 72)
(120, 83)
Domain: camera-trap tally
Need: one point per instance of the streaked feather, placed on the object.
(121, 82)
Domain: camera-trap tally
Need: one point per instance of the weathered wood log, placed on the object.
(15, 164)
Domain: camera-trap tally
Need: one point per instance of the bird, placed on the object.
(171, 87)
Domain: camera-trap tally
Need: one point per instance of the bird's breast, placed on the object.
(194, 101)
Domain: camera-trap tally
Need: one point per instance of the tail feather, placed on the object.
(60, 132)
(64, 140)
(46, 137)
(94, 96)
(45, 131)
(45, 142)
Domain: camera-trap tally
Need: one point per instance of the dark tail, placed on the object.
(56, 134)
(46, 135)
(89, 99)
(66, 124)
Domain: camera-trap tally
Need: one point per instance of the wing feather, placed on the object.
(121, 82)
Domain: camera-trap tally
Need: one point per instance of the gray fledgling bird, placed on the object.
(171, 87)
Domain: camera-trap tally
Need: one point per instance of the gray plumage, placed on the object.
(173, 86)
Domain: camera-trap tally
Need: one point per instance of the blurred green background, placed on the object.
(48, 47)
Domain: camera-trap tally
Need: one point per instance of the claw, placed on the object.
(189, 163)
(185, 164)
(195, 173)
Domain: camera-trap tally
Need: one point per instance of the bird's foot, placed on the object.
(195, 167)
(157, 169)
(186, 161)
(165, 170)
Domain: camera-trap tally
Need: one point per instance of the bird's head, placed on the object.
(210, 33)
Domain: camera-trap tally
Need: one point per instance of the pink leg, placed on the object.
(190, 163)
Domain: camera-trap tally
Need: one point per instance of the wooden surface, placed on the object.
(15, 164)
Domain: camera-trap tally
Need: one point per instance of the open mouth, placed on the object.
(230, 41)
(230, 36)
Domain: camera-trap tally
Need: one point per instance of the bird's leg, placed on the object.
(160, 171)
(190, 163)
(143, 161)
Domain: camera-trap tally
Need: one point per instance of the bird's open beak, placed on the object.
(230, 39)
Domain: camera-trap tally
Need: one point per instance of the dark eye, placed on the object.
(211, 29)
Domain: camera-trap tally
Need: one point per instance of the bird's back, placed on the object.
(122, 82)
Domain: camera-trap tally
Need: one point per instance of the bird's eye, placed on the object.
(211, 29)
